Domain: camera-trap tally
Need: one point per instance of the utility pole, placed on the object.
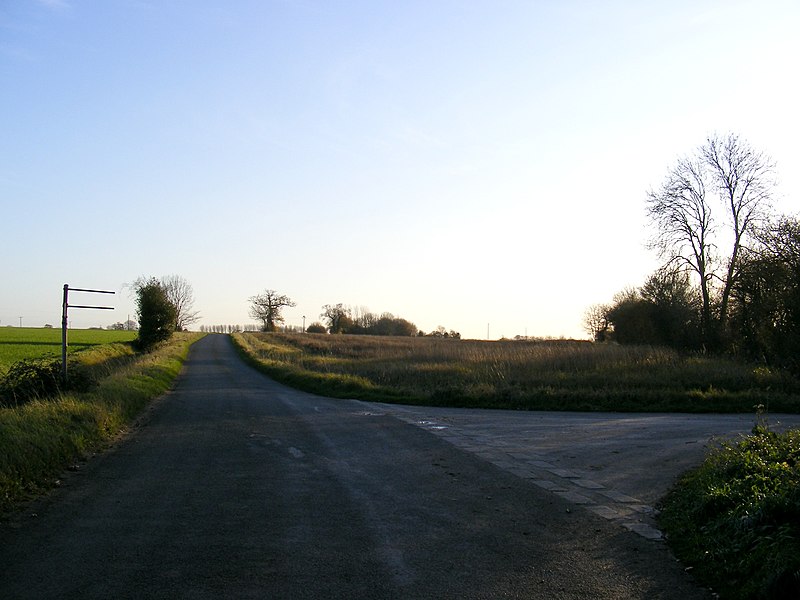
(20, 321)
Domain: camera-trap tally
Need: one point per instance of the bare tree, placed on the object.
(595, 321)
(267, 308)
(725, 178)
(180, 293)
(681, 213)
(363, 319)
(744, 179)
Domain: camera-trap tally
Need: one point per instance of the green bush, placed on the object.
(32, 378)
(156, 315)
(316, 328)
(736, 519)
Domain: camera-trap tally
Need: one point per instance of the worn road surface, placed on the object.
(234, 486)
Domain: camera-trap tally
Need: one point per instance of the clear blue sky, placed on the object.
(457, 163)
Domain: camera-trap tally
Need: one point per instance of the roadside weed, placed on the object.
(736, 519)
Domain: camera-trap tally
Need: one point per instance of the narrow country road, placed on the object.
(237, 487)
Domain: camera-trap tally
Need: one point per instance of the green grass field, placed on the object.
(18, 343)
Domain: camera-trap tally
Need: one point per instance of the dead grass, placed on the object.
(551, 375)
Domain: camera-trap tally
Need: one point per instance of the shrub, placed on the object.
(736, 518)
(156, 314)
(316, 328)
(32, 378)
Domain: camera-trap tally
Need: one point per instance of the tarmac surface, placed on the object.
(616, 465)
(236, 486)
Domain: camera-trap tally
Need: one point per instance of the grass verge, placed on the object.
(276, 361)
(40, 439)
(735, 520)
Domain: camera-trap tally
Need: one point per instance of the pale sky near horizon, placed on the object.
(480, 165)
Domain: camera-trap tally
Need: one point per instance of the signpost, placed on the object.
(64, 306)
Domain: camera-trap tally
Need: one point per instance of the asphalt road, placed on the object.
(234, 486)
(618, 465)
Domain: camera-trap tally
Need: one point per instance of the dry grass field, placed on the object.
(533, 375)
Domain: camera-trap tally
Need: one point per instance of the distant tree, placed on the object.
(267, 307)
(727, 175)
(744, 179)
(388, 324)
(632, 319)
(384, 325)
(681, 212)
(360, 321)
(156, 314)
(179, 291)
(363, 319)
(129, 325)
(316, 327)
(675, 308)
(596, 323)
(441, 332)
(664, 312)
(338, 317)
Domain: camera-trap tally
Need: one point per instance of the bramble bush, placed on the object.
(32, 378)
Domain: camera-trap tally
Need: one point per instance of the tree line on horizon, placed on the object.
(730, 277)
(338, 318)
